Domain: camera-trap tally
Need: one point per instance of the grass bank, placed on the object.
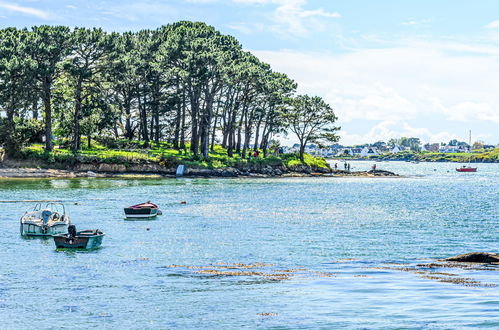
(132, 153)
(491, 156)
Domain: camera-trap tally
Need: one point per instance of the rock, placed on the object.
(267, 170)
(230, 172)
(481, 257)
(111, 167)
(198, 172)
(381, 173)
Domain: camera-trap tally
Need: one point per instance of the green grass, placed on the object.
(425, 156)
(162, 154)
(294, 160)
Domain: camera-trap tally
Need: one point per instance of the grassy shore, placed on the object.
(128, 154)
(491, 156)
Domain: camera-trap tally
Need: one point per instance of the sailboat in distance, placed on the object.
(467, 168)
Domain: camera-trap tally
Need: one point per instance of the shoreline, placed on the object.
(41, 173)
(381, 160)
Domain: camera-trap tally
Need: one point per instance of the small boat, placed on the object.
(465, 168)
(48, 221)
(142, 210)
(85, 239)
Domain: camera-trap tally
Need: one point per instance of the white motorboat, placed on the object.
(48, 221)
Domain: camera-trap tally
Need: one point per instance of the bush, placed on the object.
(17, 134)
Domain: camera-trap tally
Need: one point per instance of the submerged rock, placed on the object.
(381, 173)
(479, 257)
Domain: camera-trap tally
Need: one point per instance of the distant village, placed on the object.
(380, 148)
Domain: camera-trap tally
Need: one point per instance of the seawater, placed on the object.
(343, 242)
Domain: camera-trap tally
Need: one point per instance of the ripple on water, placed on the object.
(270, 253)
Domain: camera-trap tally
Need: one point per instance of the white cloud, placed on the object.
(394, 129)
(247, 28)
(25, 10)
(492, 25)
(413, 22)
(289, 17)
(413, 85)
(150, 11)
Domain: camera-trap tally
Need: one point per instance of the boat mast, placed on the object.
(469, 158)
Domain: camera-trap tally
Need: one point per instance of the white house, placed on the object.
(449, 149)
(397, 149)
(368, 151)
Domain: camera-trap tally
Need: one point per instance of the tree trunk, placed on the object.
(257, 135)
(128, 121)
(182, 126)
(35, 109)
(176, 134)
(76, 118)
(206, 123)
(143, 120)
(47, 96)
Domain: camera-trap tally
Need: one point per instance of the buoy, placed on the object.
(183, 202)
(148, 228)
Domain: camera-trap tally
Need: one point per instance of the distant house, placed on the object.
(349, 152)
(452, 149)
(368, 151)
(397, 149)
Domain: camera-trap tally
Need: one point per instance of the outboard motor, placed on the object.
(72, 230)
(46, 216)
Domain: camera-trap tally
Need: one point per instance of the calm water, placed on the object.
(340, 240)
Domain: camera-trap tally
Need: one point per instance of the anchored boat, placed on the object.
(467, 168)
(85, 239)
(142, 210)
(50, 220)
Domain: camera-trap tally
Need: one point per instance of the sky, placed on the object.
(389, 68)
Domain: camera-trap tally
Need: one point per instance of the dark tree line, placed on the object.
(184, 83)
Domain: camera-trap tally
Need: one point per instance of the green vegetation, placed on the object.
(491, 156)
(163, 155)
(189, 94)
(310, 119)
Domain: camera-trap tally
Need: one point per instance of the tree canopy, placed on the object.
(183, 83)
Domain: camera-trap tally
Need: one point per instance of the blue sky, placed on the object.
(390, 68)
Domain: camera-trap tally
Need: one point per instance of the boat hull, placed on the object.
(140, 213)
(78, 242)
(468, 169)
(30, 229)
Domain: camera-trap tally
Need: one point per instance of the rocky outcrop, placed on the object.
(381, 173)
(377, 173)
(479, 257)
(228, 172)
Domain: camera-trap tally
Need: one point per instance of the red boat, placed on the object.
(466, 169)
